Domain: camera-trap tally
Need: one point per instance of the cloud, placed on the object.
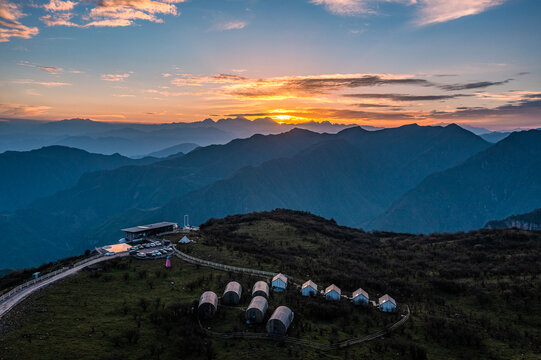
(109, 13)
(232, 25)
(10, 26)
(525, 108)
(368, 105)
(59, 5)
(115, 77)
(53, 70)
(403, 97)
(166, 75)
(42, 83)
(109, 23)
(350, 7)
(32, 92)
(340, 114)
(427, 11)
(437, 11)
(114, 13)
(238, 71)
(198, 80)
(308, 86)
(59, 19)
(473, 85)
(19, 110)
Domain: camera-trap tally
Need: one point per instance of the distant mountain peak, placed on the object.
(353, 130)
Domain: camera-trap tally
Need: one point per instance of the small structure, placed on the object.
(387, 304)
(309, 288)
(257, 309)
(36, 275)
(279, 283)
(168, 262)
(184, 240)
(280, 321)
(232, 293)
(261, 288)
(138, 232)
(360, 297)
(208, 303)
(333, 293)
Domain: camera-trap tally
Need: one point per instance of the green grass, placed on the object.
(88, 316)
(472, 295)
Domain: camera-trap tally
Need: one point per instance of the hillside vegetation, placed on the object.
(528, 221)
(472, 295)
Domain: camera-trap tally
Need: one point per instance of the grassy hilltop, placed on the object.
(472, 295)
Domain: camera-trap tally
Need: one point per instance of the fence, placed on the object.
(32, 282)
(217, 266)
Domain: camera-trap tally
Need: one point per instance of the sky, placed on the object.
(369, 62)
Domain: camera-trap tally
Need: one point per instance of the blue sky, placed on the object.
(362, 61)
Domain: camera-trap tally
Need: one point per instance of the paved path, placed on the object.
(312, 344)
(9, 303)
(248, 335)
(193, 260)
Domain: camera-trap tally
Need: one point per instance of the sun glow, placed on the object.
(282, 117)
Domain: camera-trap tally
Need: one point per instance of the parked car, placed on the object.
(141, 255)
(109, 254)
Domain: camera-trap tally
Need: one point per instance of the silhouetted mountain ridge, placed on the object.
(502, 180)
(37, 173)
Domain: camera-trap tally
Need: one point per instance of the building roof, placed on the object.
(143, 228)
(209, 297)
(281, 277)
(185, 240)
(260, 303)
(309, 283)
(331, 288)
(233, 286)
(261, 286)
(360, 291)
(386, 298)
(283, 314)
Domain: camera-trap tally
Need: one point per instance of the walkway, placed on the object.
(18, 294)
(312, 344)
(265, 336)
(193, 260)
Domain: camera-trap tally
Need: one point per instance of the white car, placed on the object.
(141, 255)
(109, 254)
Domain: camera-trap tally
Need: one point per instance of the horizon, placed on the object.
(465, 126)
(362, 62)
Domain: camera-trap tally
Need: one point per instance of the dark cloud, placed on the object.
(228, 77)
(521, 108)
(533, 96)
(327, 84)
(473, 85)
(363, 105)
(403, 97)
(316, 85)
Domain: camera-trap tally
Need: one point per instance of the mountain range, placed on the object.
(33, 174)
(401, 179)
(137, 140)
(502, 180)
